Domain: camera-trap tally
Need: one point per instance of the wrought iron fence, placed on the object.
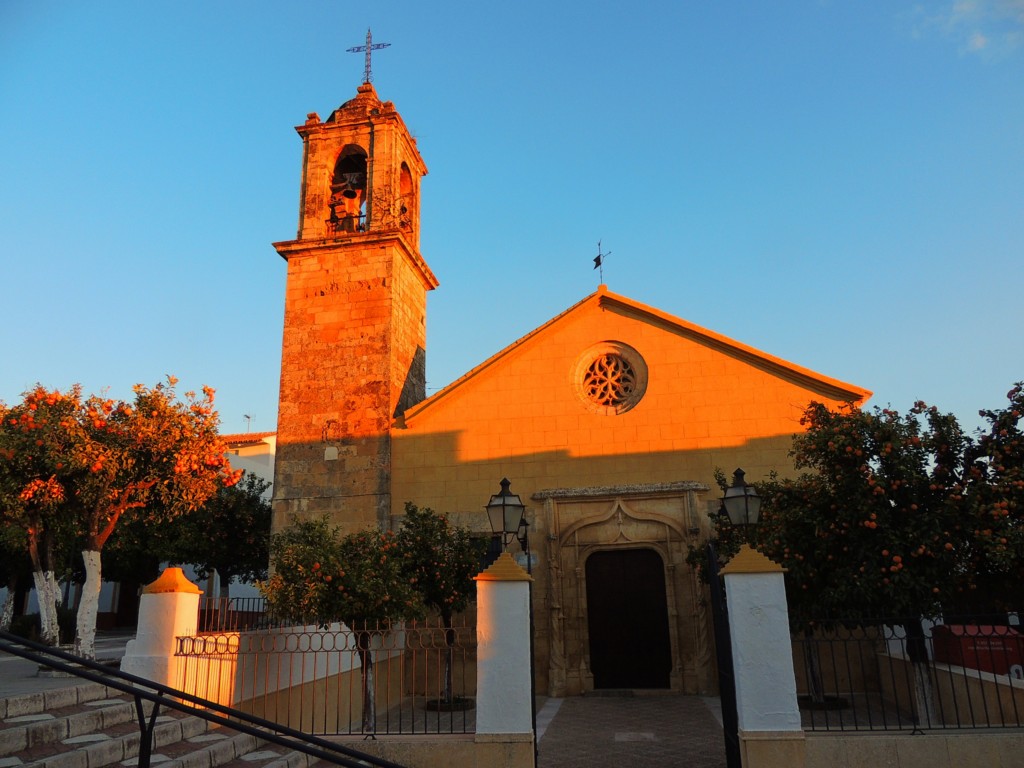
(233, 614)
(913, 675)
(405, 678)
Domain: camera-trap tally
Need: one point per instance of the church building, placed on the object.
(609, 420)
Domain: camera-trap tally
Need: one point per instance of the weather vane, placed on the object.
(370, 46)
(599, 261)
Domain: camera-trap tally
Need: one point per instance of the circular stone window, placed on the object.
(610, 377)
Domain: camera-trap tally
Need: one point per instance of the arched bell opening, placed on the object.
(348, 191)
(406, 197)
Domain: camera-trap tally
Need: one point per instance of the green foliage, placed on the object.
(320, 577)
(14, 560)
(993, 493)
(872, 531)
(439, 560)
(229, 534)
(895, 515)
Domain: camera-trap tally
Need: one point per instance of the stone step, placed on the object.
(59, 698)
(90, 726)
(26, 731)
(112, 745)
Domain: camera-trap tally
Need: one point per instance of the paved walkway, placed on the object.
(637, 732)
(19, 676)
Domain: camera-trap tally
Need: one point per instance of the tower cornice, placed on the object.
(297, 249)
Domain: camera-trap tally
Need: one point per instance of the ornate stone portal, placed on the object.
(580, 522)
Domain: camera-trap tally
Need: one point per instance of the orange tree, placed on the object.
(439, 560)
(993, 494)
(38, 436)
(91, 462)
(320, 577)
(874, 529)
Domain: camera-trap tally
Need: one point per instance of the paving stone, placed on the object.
(635, 737)
(88, 738)
(10, 762)
(153, 759)
(641, 732)
(38, 718)
(206, 737)
(263, 754)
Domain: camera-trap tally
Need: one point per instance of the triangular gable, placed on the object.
(603, 298)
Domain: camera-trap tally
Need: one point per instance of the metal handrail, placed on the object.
(162, 695)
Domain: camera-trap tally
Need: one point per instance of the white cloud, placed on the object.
(977, 42)
(990, 27)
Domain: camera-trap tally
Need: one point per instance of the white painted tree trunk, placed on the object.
(924, 698)
(88, 606)
(58, 596)
(224, 588)
(46, 594)
(7, 613)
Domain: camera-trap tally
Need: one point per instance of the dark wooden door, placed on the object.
(628, 619)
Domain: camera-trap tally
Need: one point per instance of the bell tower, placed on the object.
(353, 353)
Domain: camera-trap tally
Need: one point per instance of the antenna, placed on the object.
(599, 261)
(370, 46)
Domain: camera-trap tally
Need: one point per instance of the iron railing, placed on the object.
(142, 690)
(911, 675)
(406, 678)
(233, 614)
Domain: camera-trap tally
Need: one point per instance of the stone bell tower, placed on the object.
(353, 353)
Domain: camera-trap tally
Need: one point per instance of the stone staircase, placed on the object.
(90, 726)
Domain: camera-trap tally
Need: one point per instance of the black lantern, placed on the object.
(506, 511)
(741, 502)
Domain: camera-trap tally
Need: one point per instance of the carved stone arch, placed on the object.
(620, 511)
(665, 518)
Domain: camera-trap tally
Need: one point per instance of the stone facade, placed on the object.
(353, 352)
(603, 470)
(610, 420)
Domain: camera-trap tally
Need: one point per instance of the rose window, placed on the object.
(609, 380)
(610, 377)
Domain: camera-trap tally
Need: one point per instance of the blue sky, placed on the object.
(838, 183)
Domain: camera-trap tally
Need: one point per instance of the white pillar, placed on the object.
(503, 688)
(762, 652)
(168, 608)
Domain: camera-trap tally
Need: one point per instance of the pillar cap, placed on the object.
(171, 580)
(505, 568)
(749, 560)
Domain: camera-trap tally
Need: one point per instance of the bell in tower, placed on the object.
(361, 171)
(353, 353)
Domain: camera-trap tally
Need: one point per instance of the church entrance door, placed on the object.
(628, 619)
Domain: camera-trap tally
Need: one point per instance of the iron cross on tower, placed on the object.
(370, 46)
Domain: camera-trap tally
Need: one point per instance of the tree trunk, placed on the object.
(88, 607)
(917, 652)
(7, 613)
(369, 686)
(49, 630)
(224, 588)
(813, 660)
(44, 581)
(448, 695)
